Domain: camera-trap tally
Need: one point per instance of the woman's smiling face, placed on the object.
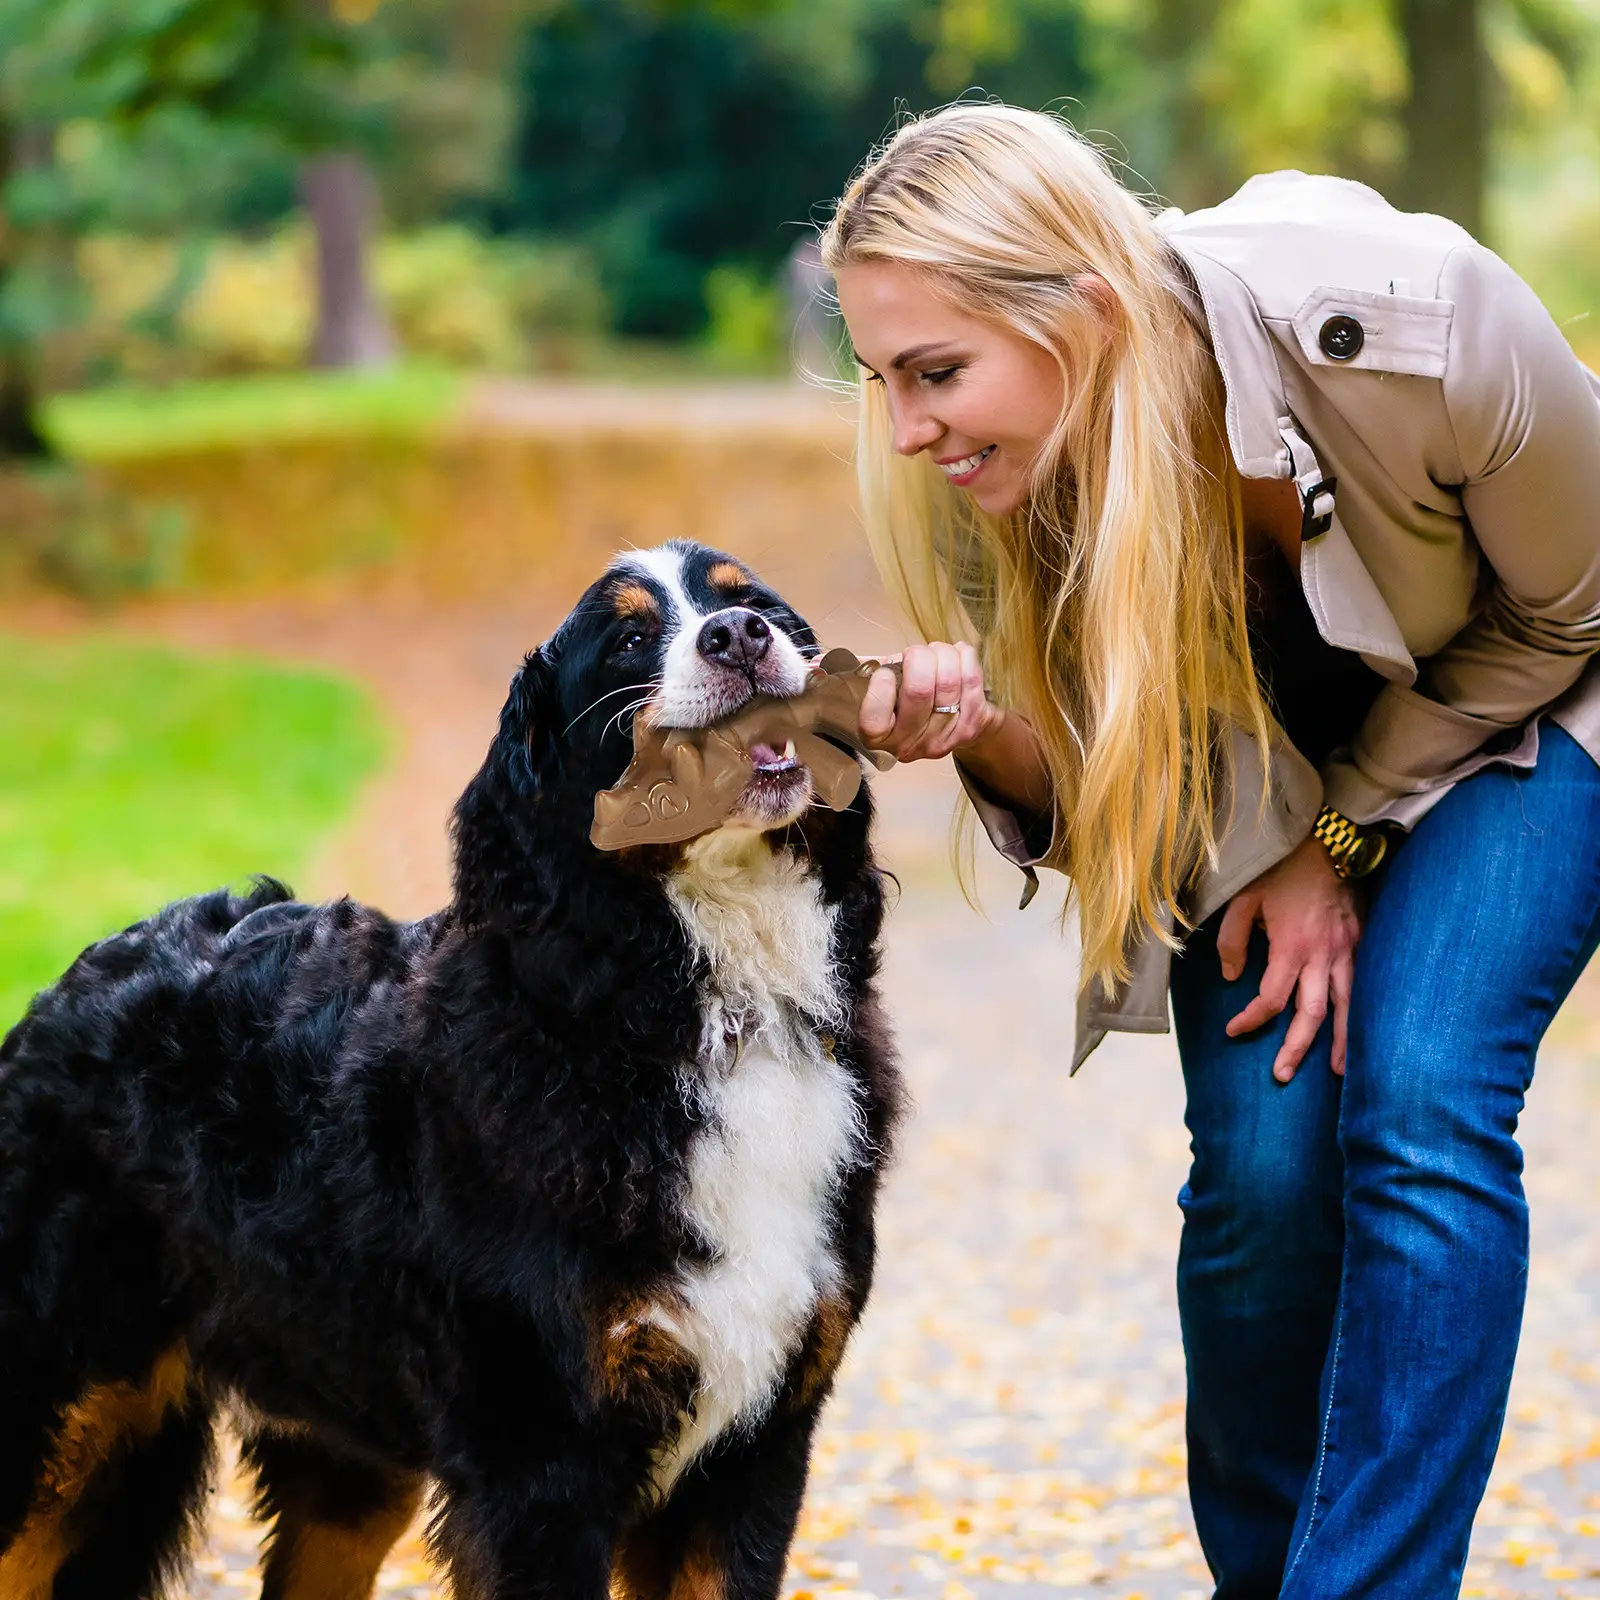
(979, 398)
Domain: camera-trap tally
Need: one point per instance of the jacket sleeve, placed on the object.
(1024, 841)
(1526, 419)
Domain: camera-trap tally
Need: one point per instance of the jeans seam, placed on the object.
(1322, 1439)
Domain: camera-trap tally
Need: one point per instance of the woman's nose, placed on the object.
(914, 432)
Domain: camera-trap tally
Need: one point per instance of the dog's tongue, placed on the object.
(766, 757)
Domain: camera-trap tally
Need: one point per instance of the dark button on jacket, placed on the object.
(1341, 338)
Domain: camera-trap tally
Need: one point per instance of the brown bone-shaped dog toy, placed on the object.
(685, 781)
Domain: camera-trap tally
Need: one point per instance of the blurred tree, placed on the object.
(673, 139)
(1445, 115)
(20, 322)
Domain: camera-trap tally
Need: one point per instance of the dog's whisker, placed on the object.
(616, 719)
(628, 688)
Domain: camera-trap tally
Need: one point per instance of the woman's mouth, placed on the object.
(962, 472)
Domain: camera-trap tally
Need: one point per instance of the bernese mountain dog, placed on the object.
(558, 1202)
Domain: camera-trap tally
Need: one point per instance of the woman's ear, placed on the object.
(1100, 298)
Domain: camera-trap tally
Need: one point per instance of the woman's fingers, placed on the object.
(1233, 936)
(1310, 1007)
(976, 716)
(1277, 985)
(1341, 977)
(877, 706)
(918, 682)
(1313, 924)
(939, 737)
(935, 706)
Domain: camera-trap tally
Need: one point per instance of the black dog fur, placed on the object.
(393, 1194)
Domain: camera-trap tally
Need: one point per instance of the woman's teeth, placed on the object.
(959, 469)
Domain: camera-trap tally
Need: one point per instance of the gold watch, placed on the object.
(1354, 851)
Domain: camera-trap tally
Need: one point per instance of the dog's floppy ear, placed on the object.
(528, 721)
(497, 818)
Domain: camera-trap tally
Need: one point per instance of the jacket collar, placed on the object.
(1243, 348)
(1266, 442)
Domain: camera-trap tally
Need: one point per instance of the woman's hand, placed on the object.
(1313, 921)
(913, 718)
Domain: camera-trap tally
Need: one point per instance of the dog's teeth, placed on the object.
(788, 751)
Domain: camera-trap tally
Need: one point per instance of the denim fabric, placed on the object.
(1355, 1255)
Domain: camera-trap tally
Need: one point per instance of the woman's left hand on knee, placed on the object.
(1312, 919)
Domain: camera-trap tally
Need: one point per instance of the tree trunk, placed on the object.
(342, 199)
(20, 438)
(1196, 174)
(1445, 116)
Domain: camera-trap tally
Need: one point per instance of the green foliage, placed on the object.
(131, 775)
(453, 295)
(672, 141)
(746, 330)
(163, 310)
(117, 423)
(1327, 105)
(1544, 210)
(173, 117)
(415, 84)
(71, 529)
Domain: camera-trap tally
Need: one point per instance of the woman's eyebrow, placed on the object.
(917, 352)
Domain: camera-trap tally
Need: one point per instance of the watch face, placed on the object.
(1366, 853)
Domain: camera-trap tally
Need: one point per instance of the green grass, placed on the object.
(118, 422)
(130, 775)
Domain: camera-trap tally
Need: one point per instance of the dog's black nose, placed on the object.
(737, 637)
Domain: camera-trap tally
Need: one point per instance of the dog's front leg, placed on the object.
(724, 1532)
(541, 1534)
(533, 1483)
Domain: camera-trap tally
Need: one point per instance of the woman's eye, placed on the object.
(941, 375)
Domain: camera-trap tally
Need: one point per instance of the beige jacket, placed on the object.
(1446, 443)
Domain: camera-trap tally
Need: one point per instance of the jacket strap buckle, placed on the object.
(1316, 508)
(1316, 491)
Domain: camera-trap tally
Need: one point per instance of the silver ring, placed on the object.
(949, 711)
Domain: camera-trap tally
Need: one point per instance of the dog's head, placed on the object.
(683, 634)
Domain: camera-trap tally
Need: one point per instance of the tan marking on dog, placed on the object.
(90, 1431)
(641, 1361)
(823, 1349)
(701, 1577)
(312, 1560)
(727, 575)
(29, 1564)
(634, 599)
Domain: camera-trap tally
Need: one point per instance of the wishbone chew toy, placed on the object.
(685, 781)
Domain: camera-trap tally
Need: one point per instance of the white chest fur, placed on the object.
(782, 1125)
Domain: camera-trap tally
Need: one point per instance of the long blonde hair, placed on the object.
(1110, 609)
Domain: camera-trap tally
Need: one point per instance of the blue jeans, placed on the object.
(1355, 1254)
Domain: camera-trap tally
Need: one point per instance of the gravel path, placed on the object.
(1009, 1422)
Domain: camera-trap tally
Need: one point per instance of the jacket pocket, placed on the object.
(1375, 332)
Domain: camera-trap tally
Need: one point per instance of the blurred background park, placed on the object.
(340, 343)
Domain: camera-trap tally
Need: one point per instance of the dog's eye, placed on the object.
(632, 640)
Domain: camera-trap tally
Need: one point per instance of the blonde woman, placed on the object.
(1277, 530)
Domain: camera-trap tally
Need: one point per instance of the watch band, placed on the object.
(1354, 851)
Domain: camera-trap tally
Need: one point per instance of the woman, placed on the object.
(1278, 528)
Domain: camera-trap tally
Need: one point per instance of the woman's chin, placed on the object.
(999, 499)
